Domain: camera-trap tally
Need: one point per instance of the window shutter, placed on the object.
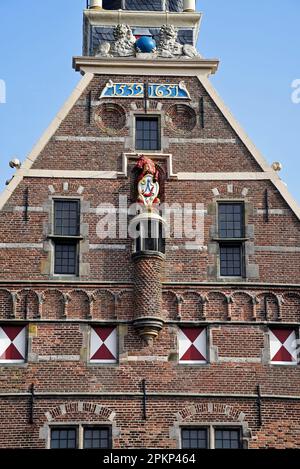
(192, 345)
(103, 346)
(283, 347)
(12, 344)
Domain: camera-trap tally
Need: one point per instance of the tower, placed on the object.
(100, 20)
(149, 258)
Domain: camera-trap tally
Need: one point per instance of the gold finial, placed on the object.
(277, 166)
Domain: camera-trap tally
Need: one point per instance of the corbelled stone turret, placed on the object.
(149, 254)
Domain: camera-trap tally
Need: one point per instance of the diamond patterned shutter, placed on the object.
(192, 345)
(103, 346)
(12, 344)
(283, 349)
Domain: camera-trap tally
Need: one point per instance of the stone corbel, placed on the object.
(41, 299)
(280, 303)
(203, 300)
(15, 298)
(255, 303)
(91, 299)
(229, 300)
(66, 300)
(179, 303)
(148, 329)
(266, 307)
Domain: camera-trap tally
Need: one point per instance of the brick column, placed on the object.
(148, 293)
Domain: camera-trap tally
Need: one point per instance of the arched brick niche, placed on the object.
(6, 304)
(110, 118)
(181, 118)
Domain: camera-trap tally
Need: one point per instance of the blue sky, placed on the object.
(257, 41)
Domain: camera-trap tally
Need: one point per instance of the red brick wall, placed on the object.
(237, 315)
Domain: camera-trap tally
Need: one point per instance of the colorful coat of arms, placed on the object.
(147, 182)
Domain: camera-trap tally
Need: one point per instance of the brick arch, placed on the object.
(78, 304)
(192, 307)
(170, 304)
(53, 304)
(217, 306)
(28, 304)
(268, 306)
(242, 306)
(104, 304)
(209, 408)
(125, 308)
(291, 307)
(6, 304)
(74, 408)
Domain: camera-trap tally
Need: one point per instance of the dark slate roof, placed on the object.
(143, 5)
(175, 5)
(100, 35)
(153, 5)
(185, 36)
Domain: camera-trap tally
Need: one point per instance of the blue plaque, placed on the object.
(137, 90)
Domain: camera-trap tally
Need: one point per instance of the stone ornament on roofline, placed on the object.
(126, 45)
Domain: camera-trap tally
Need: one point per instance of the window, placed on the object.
(65, 257)
(96, 437)
(64, 438)
(12, 344)
(231, 260)
(152, 237)
(80, 437)
(231, 220)
(147, 133)
(66, 218)
(227, 439)
(66, 237)
(195, 438)
(103, 345)
(283, 346)
(231, 229)
(192, 342)
(211, 438)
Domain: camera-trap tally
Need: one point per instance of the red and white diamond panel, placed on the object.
(192, 345)
(103, 345)
(283, 347)
(12, 344)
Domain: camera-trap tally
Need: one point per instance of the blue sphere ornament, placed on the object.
(145, 44)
